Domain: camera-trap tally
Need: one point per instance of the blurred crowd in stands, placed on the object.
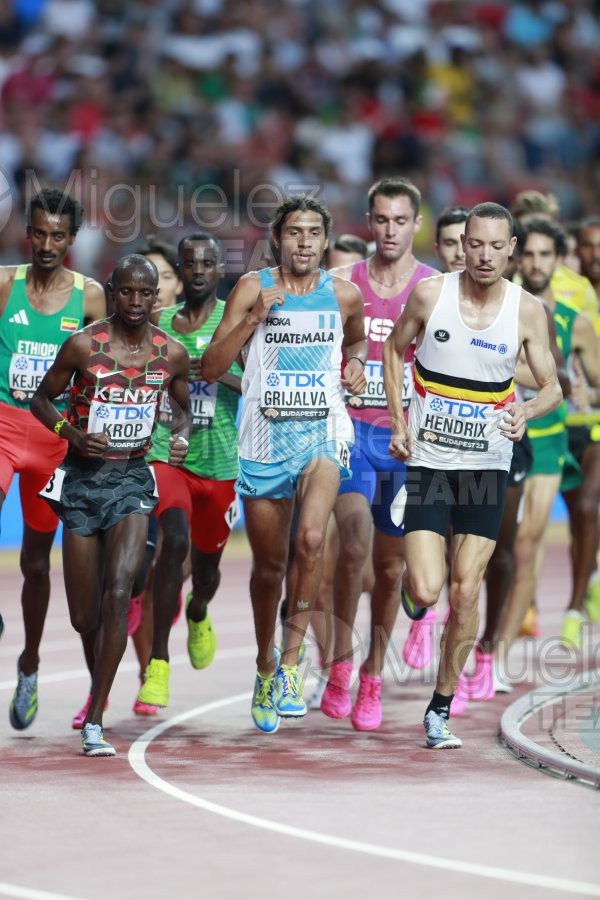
(161, 115)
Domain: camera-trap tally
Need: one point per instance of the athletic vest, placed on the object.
(30, 340)
(213, 440)
(122, 403)
(454, 417)
(380, 317)
(564, 316)
(293, 397)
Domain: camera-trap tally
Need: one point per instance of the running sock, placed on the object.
(440, 704)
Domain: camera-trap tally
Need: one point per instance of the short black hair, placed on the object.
(489, 210)
(53, 200)
(350, 243)
(198, 236)
(130, 260)
(396, 186)
(153, 245)
(450, 215)
(551, 229)
(300, 203)
(589, 222)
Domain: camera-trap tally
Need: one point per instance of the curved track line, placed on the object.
(137, 761)
(13, 890)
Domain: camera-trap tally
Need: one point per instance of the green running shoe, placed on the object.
(202, 641)
(155, 689)
(24, 704)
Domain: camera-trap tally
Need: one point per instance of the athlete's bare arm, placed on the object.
(94, 301)
(523, 374)
(533, 333)
(350, 302)
(73, 356)
(179, 366)
(586, 364)
(246, 307)
(7, 276)
(409, 325)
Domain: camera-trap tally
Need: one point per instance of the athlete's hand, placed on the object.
(268, 297)
(195, 368)
(512, 424)
(354, 380)
(178, 448)
(92, 446)
(400, 443)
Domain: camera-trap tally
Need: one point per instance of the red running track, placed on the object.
(199, 803)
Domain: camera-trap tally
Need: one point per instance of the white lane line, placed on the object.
(137, 761)
(180, 659)
(12, 890)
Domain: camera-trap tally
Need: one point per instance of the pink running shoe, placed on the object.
(481, 682)
(461, 696)
(336, 701)
(134, 615)
(79, 718)
(367, 712)
(145, 709)
(418, 646)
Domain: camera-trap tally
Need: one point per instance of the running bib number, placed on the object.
(25, 374)
(374, 396)
(455, 423)
(53, 488)
(233, 513)
(294, 394)
(128, 426)
(343, 454)
(203, 404)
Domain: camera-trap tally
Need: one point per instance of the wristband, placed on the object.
(358, 358)
(58, 426)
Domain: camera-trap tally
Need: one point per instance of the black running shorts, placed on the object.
(467, 500)
(92, 495)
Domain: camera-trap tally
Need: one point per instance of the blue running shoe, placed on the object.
(437, 733)
(24, 704)
(264, 703)
(290, 703)
(93, 743)
(413, 612)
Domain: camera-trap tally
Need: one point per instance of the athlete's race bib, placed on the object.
(294, 394)
(374, 396)
(461, 424)
(25, 374)
(203, 404)
(53, 489)
(128, 426)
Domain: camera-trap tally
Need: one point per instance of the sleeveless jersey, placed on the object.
(454, 418)
(213, 440)
(122, 403)
(564, 316)
(293, 397)
(380, 317)
(30, 340)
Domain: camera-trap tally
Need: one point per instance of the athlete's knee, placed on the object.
(175, 545)
(424, 587)
(35, 564)
(83, 620)
(115, 601)
(389, 573)
(588, 505)
(464, 597)
(310, 541)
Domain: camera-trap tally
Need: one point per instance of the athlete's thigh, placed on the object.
(470, 556)
(316, 492)
(590, 464)
(268, 523)
(82, 557)
(124, 547)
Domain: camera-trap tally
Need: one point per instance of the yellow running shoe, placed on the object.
(592, 599)
(571, 630)
(202, 641)
(155, 689)
(529, 625)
